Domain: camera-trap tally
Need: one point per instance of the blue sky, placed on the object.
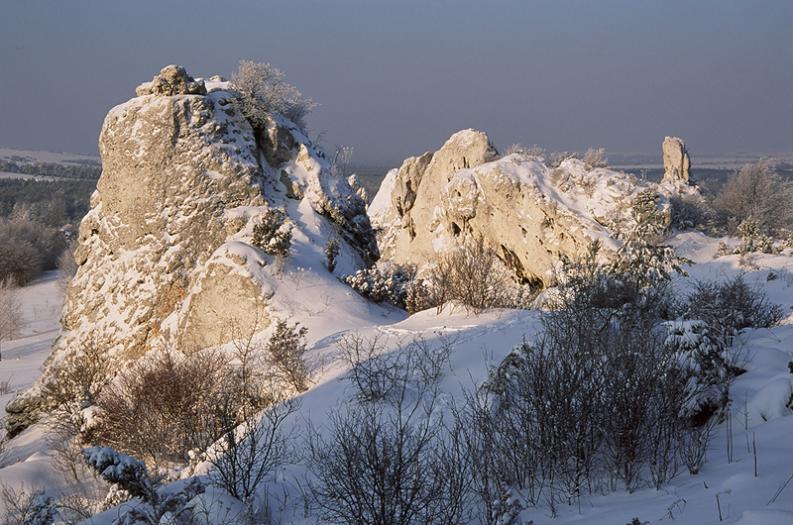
(396, 78)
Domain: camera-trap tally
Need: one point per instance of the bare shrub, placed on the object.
(595, 158)
(694, 444)
(19, 260)
(24, 507)
(30, 244)
(246, 453)
(389, 458)
(730, 306)
(74, 385)
(286, 350)
(341, 162)
(556, 158)
(757, 191)
(519, 149)
(471, 275)
(263, 90)
(10, 311)
(378, 375)
(180, 396)
(273, 233)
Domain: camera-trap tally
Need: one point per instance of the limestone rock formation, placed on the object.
(529, 213)
(172, 80)
(166, 257)
(676, 162)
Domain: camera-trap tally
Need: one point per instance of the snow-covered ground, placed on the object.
(25, 462)
(759, 411)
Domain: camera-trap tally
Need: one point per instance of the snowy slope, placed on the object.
(758, 412)
(26, 462)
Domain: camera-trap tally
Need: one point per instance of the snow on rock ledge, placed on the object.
(165, 255)
(529, 213)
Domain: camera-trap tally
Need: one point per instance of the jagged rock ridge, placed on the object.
(529, 213)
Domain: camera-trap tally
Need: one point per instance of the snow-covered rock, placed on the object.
(166, 254)
(676, 162)
(529, 213)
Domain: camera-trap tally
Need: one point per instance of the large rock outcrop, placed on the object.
(676, 162)
(529, 213)
(166, 257)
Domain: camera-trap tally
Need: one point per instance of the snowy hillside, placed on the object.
(760, 413)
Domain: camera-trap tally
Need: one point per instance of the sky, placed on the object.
(396, 78)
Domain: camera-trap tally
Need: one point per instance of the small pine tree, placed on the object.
(286, 349)
(753, 239)
(642, 257)
(331, 252)
(273, 233)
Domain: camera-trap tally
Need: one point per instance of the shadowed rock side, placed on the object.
(165, 255)
(529, 213)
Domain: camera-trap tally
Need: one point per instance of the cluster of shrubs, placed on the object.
(621, 389)
(28, 247)
(469, 275)
(36, 224)
(754, 205)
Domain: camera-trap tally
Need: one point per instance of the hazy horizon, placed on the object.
(395, 80)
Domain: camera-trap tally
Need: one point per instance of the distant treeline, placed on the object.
(50, 203)
(51, 169)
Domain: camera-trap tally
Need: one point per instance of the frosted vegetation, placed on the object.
(449, 394)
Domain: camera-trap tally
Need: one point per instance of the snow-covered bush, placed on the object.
(382, 284)
(690, 212)
(707, 364)
(273, 233)
(331, 251)
(27, 508)
(753, 239)
(757, 192)
(728, 307)
(155, 506)
(642, 257)
(286, 350)
(262, 90)
(595, 158)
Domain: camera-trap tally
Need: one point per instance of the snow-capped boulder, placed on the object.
(676, 162)
(166, 255)
(529, 213)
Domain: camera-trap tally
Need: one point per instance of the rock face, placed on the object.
(676, 162)
(529, 213)
(166, 259)
(172, 80)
